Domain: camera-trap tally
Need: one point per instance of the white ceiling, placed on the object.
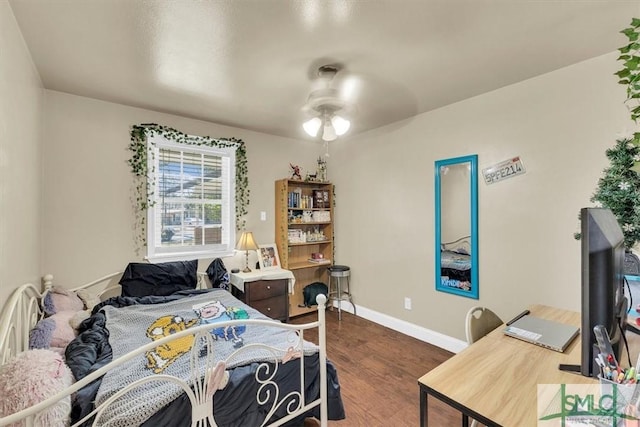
(250, 63)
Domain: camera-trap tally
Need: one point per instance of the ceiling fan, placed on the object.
(326, 107)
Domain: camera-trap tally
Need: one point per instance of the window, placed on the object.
(192, 209)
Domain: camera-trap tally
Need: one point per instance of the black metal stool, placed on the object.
(336, 290)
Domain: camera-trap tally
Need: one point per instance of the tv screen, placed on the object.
(603, 300)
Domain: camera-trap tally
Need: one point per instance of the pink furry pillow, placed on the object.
(31, 377)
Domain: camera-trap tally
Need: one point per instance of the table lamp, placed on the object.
(246, 243)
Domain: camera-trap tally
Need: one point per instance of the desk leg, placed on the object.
(465, 421)
(424, 415)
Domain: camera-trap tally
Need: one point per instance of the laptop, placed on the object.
(545, 333)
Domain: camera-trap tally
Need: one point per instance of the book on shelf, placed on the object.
(319, 260)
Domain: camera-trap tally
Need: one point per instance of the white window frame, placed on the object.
(155, 251)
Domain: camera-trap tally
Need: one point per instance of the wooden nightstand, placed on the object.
(270, 296)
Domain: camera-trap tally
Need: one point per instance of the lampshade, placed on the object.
(329, 126)
(246, 242)
(312, 126)
(340, 124)
(328, 132)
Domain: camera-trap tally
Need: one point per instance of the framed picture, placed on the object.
(268, 257)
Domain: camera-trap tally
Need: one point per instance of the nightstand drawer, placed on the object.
(275, 307)
(264, 289)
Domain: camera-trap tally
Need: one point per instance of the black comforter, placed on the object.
(91, 350)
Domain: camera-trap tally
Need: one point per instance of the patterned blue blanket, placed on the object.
(132, 326)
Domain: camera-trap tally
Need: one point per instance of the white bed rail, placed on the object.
(23, 306)
(21, 312)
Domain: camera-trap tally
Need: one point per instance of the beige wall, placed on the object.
(20, 166)
(88, 212)
(559, 123)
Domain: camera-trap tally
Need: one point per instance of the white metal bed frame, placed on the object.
(23, 310)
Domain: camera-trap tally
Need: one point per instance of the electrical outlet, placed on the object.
(263, 216)
(407, 303)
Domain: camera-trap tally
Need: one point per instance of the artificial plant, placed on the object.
(141, 150)
(619, 187)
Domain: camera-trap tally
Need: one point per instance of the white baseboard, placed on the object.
(446, 342)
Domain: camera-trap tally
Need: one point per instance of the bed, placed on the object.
(455, 263)
(193, 357)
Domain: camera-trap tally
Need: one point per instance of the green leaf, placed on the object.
(630, 33)
(631, 64)
(626, 31)
(623, 73)
(635, 22)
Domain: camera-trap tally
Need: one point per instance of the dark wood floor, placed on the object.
(378, 369)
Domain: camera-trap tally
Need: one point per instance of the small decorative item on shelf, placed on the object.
(319, 199)
(297, 236)
(295, 172)
(316, 235)
(307, 216)
(321, 174)
(321, 260)
(321, 216)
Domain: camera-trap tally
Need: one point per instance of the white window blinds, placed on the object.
(193, 212)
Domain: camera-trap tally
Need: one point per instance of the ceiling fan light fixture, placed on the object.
(312, 126)
(325, 104)
(340, 124)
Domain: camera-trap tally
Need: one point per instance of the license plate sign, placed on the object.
(503, 170)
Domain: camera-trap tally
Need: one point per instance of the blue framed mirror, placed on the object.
(456, 190)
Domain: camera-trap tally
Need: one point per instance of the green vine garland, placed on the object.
(140, 152)
(629, 75)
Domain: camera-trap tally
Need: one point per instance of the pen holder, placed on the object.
(621, 393)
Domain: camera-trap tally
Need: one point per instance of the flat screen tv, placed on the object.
(603, 299)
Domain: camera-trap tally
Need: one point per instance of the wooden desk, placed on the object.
(495, 380)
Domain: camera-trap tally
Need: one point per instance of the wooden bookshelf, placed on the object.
(304, 226)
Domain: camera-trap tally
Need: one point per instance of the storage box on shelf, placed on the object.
(304, 234)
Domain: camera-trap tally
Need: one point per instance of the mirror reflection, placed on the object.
(456, 226)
